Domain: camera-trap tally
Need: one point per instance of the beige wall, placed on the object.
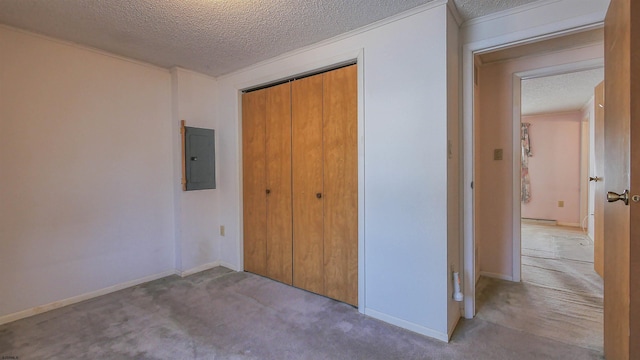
(85, 171)
(493, 129)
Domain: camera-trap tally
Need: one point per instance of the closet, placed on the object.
(300, 183)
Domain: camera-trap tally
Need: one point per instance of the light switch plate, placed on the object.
(497, 154)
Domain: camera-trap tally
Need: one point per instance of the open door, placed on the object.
(622, 179)
(600, 193)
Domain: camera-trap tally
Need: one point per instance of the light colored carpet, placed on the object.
(221, 314)
(560, 296)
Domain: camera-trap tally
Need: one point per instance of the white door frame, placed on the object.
(469, 50)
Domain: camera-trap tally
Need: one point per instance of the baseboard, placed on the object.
(407, 325)
(197, 269)
(76, 299)
(230, 266)
(496, 276)
(538, 221)
(568, 224)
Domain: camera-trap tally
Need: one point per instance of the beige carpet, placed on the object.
(224, 315)
(560, 296)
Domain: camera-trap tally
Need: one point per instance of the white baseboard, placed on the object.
(496, 276)
(568, 224)
(197, 269)
(407, 325)
(230, 266)
(76, 299)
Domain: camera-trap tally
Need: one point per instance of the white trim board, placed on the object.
(569, 224)
(108, 290)
(363, 29)
(407, 325)
(197, 269)
(76, 299)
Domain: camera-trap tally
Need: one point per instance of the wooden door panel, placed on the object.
(634, 178)
(341, 184)
(308, 247)
(622, 155)
(278, 174)
(600, 192)
(254, 182)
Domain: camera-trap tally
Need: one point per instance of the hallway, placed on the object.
(560, 296)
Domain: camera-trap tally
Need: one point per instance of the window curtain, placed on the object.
(525, 142)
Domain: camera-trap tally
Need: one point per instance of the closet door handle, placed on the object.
(268, 191)
(319, 195)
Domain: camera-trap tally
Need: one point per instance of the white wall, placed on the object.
(85, 171)
(196, 212)
(403, 147)
(454, 163)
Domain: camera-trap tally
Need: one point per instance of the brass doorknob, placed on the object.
(613, 197)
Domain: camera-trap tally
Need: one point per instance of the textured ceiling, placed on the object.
(559, 93)
(470, 9)
(214, 37)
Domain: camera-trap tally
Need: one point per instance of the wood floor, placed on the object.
(560, 296)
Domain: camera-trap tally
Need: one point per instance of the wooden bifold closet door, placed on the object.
(266, 136)
(310, 151)
(308, 204)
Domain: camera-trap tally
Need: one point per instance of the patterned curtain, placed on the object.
(525, 143)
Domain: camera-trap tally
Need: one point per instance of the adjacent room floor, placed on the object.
(221, 314)
(560, 296)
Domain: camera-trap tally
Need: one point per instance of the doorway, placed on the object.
(497, 163)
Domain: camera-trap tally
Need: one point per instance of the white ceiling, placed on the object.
(214, 37)
(470, 9)
(559, 93)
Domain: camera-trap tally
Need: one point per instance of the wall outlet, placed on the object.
(221, 230)
(497, 154)
(560, 203)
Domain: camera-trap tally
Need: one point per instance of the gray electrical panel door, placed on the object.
(200, 163)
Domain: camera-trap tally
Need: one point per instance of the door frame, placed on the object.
(469, 50)
(517, 161)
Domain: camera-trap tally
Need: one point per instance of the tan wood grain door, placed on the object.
(600, 192)
(279, 234)
(622, 172)
(341, 184)
(308, 229)
(254, 181)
